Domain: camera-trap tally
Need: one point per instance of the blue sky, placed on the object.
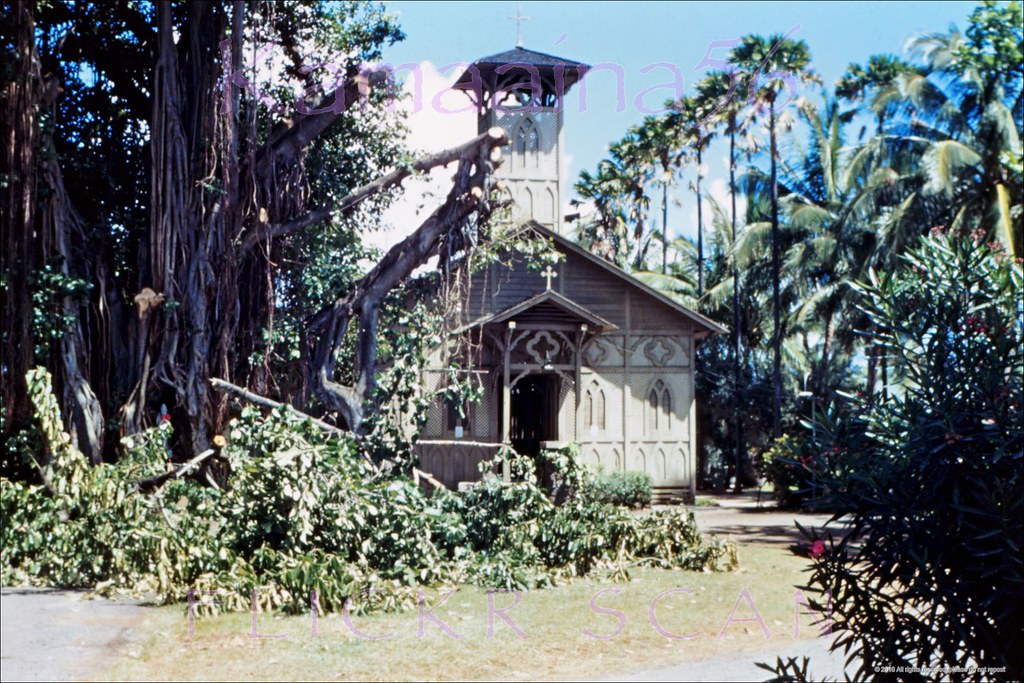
(654, 45)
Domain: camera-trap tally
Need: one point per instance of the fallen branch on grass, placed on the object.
(245, 394)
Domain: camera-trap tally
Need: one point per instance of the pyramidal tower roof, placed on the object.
(545, 77)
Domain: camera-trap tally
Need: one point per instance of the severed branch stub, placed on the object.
(150, 484)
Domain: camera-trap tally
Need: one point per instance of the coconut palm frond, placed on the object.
(719, 294)
(943, 161)
(753, 243)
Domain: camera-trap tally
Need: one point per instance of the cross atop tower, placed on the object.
(519, 18)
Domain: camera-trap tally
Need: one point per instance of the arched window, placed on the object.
(526, 143)
(533, 146)
(546, 207)
(594, 408)
(652, 411)
(659, 409)
(527, 203)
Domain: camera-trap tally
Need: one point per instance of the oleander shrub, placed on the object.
(930, 574)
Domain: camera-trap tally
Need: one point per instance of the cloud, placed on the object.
(718, 190)
(437, 118)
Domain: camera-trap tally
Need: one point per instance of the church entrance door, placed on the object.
(534, 414)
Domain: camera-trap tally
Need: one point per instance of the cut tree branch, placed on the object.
(228, 387)
(150, 484)
(358, 195)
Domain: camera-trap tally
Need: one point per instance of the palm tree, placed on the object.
(771, 65)
(691, 118)
(618, 229)
(717, 94)
(602, 230)
(658, 142)
(967, 118)
(877, 86)
(829, 211)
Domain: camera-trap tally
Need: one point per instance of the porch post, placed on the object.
(576, 378)
(506, 399)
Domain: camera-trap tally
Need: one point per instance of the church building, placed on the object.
(577, 352)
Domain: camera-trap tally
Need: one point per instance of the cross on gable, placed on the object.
(549, 273)
(519, 18)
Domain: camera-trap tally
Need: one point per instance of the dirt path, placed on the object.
(745, 517)
(55, 635)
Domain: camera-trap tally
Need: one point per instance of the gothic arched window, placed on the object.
(526, 145)
(659, 408)
(594, 408)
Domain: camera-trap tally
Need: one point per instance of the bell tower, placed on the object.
(523, 92)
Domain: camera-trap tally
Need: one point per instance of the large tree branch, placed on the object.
(358, 195)
(228, 387)
(476, 159)
(150, 484)
(291, 137)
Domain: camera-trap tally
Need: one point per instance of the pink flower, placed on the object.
(817, 549)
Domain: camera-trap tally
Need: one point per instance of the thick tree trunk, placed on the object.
(203, 272)
(19, 124)
(82, 411)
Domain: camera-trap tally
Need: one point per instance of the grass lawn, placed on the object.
(552, 641)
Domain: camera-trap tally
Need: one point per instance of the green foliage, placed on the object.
(931, 572)
(787, 465)
(302, 511)
(50, 320)
(813, 470)
(87, 525)
(629, 488)
(994, 42)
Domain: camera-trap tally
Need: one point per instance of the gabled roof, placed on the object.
(546, 303)
(709, 326)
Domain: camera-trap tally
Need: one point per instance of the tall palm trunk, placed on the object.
(776, 277)
(664, 228)
(700, 233)
(736, 367)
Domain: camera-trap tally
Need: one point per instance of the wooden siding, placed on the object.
(498, 287)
